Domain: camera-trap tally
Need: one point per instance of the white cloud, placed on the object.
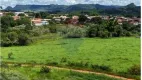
(12, 3)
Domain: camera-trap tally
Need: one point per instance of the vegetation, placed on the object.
(29, 73)
(95, 44)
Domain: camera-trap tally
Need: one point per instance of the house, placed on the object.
(16, 17)
(75, 17)
(1, 14)
(58, 19)
(105, 17)
(17, 13)
(90, 17)
(63, 17)
(39, 22)
(135, 21)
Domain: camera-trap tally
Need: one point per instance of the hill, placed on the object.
(130, 9)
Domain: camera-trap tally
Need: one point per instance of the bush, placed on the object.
(78, 64)
(64, 59)
(45, 70)
(10, 55)
(53, 28)
(53, 63)
(6, 42)
(12, 36)
(17, 65)
(92, 31)
(23, 39)
(73, 32)
(135, 70)
(103, 34)
(101, 68)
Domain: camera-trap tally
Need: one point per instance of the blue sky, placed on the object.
(12, 3)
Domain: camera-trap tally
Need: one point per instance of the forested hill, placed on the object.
(102, 9)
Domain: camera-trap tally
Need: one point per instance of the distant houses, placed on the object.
(16, 17)
(18, 13)
(71, 20)
(133, 21)
(39, 22)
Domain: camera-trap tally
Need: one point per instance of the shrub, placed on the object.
(53, 28)
(23, 39)
(44, 69)
(103, 34)
(75, 32)
(64, 59)
(78, 64)
(135, 70)
(101, 68)
(6, 42)
(53, 63)
(128, 34)
(17, 65)
(12, 36)
(92, 31)
(10, 55)
(3, 65)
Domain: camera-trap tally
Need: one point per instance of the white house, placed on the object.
(1, 14)
(17, 13)
(39, 22)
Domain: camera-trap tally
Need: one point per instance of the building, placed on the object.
(39, 22)
(1, 14)
(16, 17)
(17, 13)
(75, 17)
(63, 17)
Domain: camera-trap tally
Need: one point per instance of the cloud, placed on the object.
(12, 3)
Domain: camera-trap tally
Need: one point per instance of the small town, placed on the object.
(71, 20)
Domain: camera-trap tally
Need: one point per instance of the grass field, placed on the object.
(118, 53)
(29, 73)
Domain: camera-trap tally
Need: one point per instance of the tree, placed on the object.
(10, 14)
(92, 30)
(96, 20)
(82, 18)
(24, 20)
(21, 14)
(7, 21)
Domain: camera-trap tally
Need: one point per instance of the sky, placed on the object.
(5, 3)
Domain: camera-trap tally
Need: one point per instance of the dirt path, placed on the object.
(81, 71)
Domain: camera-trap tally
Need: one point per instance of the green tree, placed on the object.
(10, 14)
(24, 20)
(96, 20)
(82, 18)
(21, 14)
(6, 22)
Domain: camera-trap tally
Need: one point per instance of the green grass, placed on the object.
(118, 53)
(28, 73)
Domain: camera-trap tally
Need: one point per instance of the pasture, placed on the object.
(117, 53)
